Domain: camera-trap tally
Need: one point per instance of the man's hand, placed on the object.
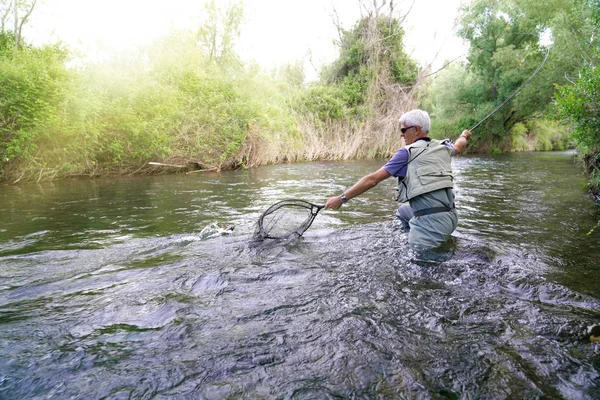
(335, 202)
(460, 144)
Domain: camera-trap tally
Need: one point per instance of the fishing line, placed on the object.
(515, 92)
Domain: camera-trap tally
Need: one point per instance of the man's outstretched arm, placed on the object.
(365, 183)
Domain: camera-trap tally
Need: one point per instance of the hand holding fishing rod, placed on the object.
(460, 144)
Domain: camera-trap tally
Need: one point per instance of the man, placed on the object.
(424, 172)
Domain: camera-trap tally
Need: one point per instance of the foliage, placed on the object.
(370, 52)
(579, 100)
(504, 52)
(508, 39)
(189, 99)
(519, 134)
(33, 86)
(539, 135)
(217, 35)
(177, 102)
(547, 135)
(579, 104)
(375, 42)
(354, 109)
(327, 102)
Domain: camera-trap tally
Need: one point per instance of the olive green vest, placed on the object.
(429, 169)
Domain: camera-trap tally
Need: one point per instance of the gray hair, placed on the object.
(417, 118)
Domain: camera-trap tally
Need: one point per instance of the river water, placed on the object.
(114, 289)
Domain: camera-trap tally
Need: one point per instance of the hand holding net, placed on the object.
(285, 219)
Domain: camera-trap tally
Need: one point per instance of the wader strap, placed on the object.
(433, 210)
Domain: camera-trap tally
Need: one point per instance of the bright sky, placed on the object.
(274, 31)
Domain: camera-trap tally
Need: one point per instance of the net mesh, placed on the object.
(285, 219)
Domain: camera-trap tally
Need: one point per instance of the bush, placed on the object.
(580, 105)
(518, 134)
(34, 83)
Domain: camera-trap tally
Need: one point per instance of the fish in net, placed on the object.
(286, 219)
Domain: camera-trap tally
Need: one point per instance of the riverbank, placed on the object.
(320, 151)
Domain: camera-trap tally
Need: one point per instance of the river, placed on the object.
(113, 288)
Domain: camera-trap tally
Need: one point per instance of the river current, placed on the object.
(120, 289)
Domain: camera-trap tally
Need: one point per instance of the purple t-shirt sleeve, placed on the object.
(397, 164)
(448, 143)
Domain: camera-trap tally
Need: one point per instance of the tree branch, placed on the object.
(5, 16)
(408, 12)
(23, 20)
(444, 66)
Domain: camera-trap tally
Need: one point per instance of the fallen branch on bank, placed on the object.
(167, 165)
(203, 170)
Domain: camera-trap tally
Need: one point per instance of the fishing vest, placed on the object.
(429, 169)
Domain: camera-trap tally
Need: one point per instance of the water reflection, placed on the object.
(143, 305)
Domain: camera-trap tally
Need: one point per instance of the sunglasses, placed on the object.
(403, 130)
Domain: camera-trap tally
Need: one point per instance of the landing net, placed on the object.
(286, 219)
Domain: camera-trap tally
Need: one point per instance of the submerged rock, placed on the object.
(213, 230)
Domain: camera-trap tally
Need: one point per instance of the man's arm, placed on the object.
(460, 144)
(365, 183)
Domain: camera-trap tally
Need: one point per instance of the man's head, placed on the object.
(414, 124)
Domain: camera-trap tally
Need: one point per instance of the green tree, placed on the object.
(508, 40)
(371, 72)
(352, 112)
(33, 86)
(371, 52)
(579, 101)
(17, 12)
(504, 51)
(219, 32)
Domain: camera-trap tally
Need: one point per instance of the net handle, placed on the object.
(318, 208)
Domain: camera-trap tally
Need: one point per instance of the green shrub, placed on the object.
(580, 105)
(326, 102)
(518, 134)
(33, 86)
(548, 135)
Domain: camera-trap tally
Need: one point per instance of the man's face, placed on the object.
(409, 133)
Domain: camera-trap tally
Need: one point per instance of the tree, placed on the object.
(373, 69)
(579, 101)
(508, 41)
(219, 32)
(504, 51)
(361, 95)
(19, 11)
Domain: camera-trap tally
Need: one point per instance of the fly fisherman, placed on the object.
(424, 171)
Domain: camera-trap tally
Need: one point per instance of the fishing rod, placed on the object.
(515, 92)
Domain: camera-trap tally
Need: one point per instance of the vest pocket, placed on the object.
(433, 174)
